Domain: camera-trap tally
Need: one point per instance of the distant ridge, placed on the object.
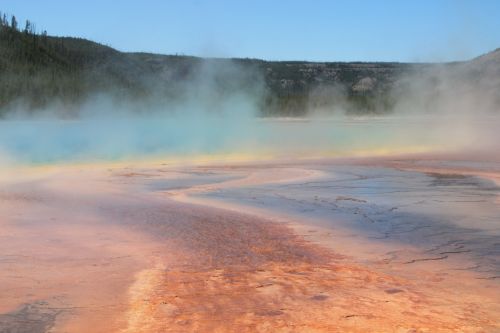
(37, 69)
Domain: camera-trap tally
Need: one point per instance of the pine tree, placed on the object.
(13, 23)
(27, 27)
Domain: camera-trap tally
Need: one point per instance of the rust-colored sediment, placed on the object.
(106, 256)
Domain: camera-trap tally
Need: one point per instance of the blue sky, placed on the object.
(335, 30)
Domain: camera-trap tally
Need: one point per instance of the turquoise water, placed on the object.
(52, 140)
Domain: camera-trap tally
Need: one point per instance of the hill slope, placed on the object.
(36, 70)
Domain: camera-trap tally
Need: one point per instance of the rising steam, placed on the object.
(216, 112)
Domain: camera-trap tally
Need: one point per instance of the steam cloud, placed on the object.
(439, 109)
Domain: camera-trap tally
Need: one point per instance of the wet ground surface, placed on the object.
(35, 317)
(441, 216)
(316, 247)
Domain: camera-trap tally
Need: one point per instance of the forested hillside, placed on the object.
(37, 69)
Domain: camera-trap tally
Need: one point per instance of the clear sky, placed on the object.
(330, 30)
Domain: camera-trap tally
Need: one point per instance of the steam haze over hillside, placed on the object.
(73, 99)
(67, 99)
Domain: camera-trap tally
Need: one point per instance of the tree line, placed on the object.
(37, 69)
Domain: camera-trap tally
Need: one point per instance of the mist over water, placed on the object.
(222, 119)
(51, 140)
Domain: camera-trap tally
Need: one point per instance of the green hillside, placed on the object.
(37, 70)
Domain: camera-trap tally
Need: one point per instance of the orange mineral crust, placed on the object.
(156, 248)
